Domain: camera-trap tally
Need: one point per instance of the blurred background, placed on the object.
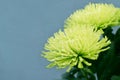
(25, 26)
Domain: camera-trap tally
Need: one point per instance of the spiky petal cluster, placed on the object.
(98, 15)
(71, 47)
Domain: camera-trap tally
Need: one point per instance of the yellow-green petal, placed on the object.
(68, 48)
(98, 15)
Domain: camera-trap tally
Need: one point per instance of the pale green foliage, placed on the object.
(115, 78)
(71, 46)
(98, 15)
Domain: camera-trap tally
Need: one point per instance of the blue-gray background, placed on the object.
(25, 26)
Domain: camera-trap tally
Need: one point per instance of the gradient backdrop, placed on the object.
(25, 26)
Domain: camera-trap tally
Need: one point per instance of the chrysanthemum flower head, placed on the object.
(98, 15)
(70, 47)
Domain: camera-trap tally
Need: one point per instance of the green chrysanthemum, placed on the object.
(71, 47)
(98, 15)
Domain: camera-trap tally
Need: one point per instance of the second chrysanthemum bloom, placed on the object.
(98, 15)
(71, 47)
